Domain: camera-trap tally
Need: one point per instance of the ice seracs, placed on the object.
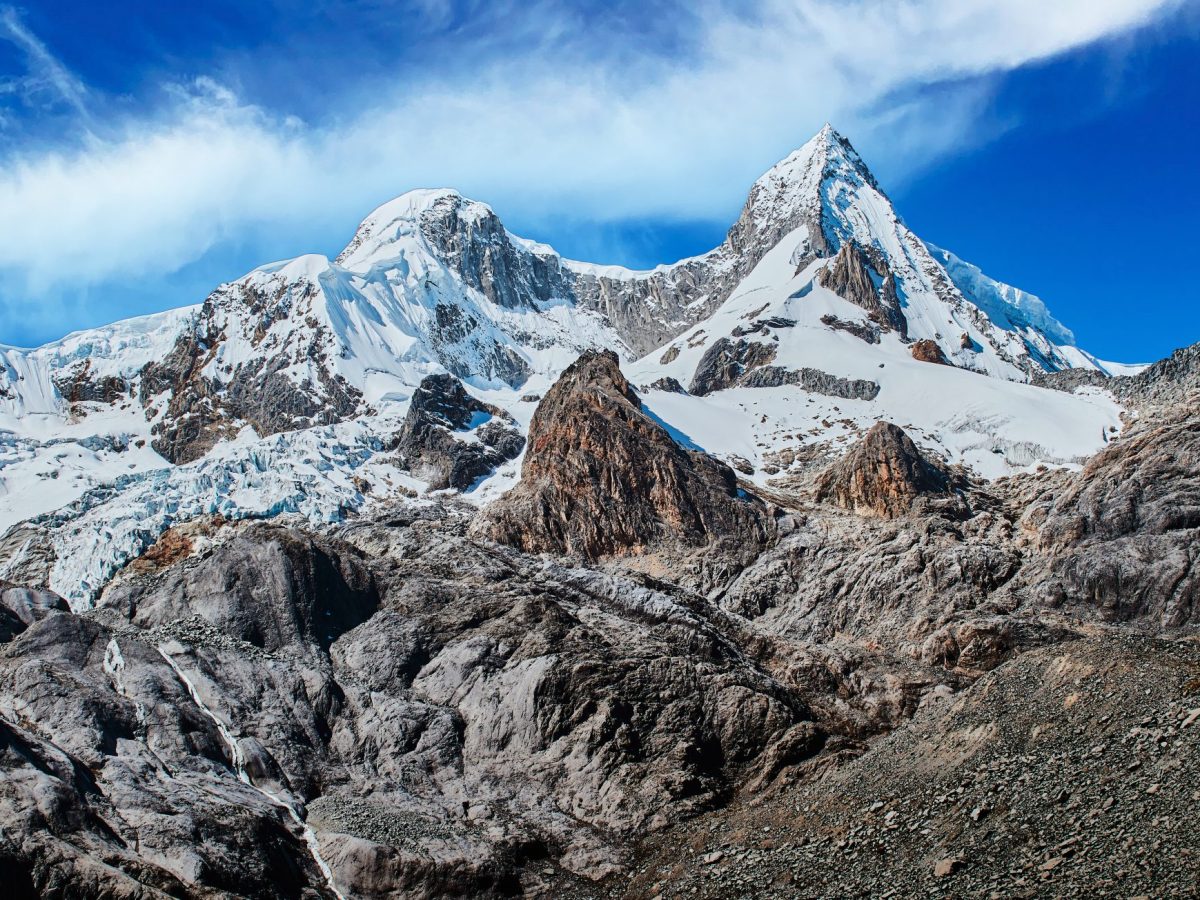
(109, 436)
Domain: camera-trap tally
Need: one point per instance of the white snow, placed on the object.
(376, 316)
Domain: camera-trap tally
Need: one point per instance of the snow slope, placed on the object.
(278, 394)
(993, 425)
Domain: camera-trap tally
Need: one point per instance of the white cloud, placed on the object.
(595, 140)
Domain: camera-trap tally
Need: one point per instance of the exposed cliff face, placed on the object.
(441, 407)
(209, 385)
(848, 277)
(930, 352)
(883, 475)
(1124, 534)
(727, 362)
(602, 477)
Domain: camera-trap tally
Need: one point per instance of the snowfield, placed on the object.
(432, 283)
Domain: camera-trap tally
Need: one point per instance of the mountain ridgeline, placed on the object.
(820, 564)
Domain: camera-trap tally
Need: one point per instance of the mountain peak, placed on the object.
(403, 215)
(799, 191)
(827, 154)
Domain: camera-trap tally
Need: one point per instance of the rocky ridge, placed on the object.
(603, 478)
(401, 705)
(407, 684)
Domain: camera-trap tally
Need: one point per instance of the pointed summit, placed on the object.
(807, 189)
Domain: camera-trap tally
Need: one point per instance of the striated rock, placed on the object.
(928, 351)
(861, 330)
(883, 475)
(203, 408)
(667, 383)
(725, 363)
(850, 277)
(763, 326)
(491, 713)
(21, 606)
(602, 477)
(426, 443)
(1123, 535)
(269, 587)
(814, 381)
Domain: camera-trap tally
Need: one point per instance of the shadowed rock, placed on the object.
(602, 478)
(440, 406)
(848, 276)
(20, 607)
(1123, 536)
(270, 587)
(726, 362)
(883, 475)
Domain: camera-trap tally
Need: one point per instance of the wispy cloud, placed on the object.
(538, 134)
(46, 74)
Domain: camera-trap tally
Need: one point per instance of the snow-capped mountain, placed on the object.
(819, 314)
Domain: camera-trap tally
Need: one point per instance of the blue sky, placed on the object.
(150, 150)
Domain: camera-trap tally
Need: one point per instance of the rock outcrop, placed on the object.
(21, 606)
(602, 477)
(849, 276)
(1124, 535)
(883, 475)
(668, 384)
(928, 351)
(440, 407)
(861, 330)
(203, 406)
(813, 380)
(726, 362)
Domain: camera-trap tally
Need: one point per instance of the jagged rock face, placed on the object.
(726, 362)
(21, 606)
(205, 403)
(883, 475)
(114, 782)
(667, 384)
(930, 352)
(813, 380)
(861, 330)
(271, 588)
(1170, 382)
(848, 277)
(78, 385)
(763, 326)
(492, 711)
(601, 477)
(1070, 379)
(479, 249)
(1124, 535)
(440, 406)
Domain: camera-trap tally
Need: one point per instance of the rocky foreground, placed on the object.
(633, 677)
